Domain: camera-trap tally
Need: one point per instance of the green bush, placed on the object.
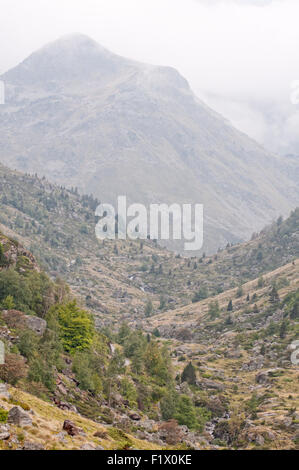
(76, 326)
(3, 415)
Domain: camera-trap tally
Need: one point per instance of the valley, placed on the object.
(187, 353)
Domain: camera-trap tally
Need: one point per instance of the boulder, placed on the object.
(256, 438)
(135, 417)
(36, 324)
(17, 319)
(71, 428)
(4, 393)
(4, 432)
(210, 384)
(262, 378)
(61, 436)
(88, 446)
(150, 437)
(28, 445)
(148, 425)
(67, 406)
(233, 354)
(101, 434)
(18, 417)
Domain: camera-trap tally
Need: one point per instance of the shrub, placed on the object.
(14, 369)
(76, 327)
(200, 295)
(3, 415)
(189, 374)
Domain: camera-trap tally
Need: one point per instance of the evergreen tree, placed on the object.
(274, 297)
(156, 333)
(214, 310)
(148, 308)
(189, 374)
(283, 329)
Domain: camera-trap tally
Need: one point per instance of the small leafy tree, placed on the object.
(76, 327)
(14, 369)
(8, 303)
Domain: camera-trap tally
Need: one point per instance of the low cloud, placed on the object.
(229, 50)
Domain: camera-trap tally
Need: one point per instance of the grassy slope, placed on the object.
(48, 422)
(58, 227)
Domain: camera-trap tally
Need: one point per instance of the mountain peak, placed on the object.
(75, 43)
(74, 56)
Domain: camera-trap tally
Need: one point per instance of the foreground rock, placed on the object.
(4, 393)
(72, 429)
(18, 417)
(32, 446)
(4, 432)
(17, 319)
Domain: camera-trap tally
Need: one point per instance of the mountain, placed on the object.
(54, 352)
(87, 118)
(212, 379)
(116, 279)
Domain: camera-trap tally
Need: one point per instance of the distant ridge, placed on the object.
(88, 118)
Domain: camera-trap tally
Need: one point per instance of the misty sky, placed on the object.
(239, 55)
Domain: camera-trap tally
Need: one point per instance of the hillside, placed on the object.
(241, 359)
(53, 352)
(206, 376)
(46, 431)
(118, 279)
(87, 118)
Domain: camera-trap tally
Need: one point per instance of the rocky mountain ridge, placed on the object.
(83, 116)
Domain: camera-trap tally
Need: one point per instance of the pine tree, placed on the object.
(149, 308)
(189, 374)
(274, 297)
(230, 306)
(283, 329)
(214, 310)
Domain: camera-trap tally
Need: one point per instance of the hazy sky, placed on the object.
(231, 51)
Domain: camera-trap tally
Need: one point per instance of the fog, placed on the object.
(240, 56)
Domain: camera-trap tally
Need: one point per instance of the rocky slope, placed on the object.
(118, 279)
(93, 394)
(229, 381)
(85, 117)
(243, 385)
